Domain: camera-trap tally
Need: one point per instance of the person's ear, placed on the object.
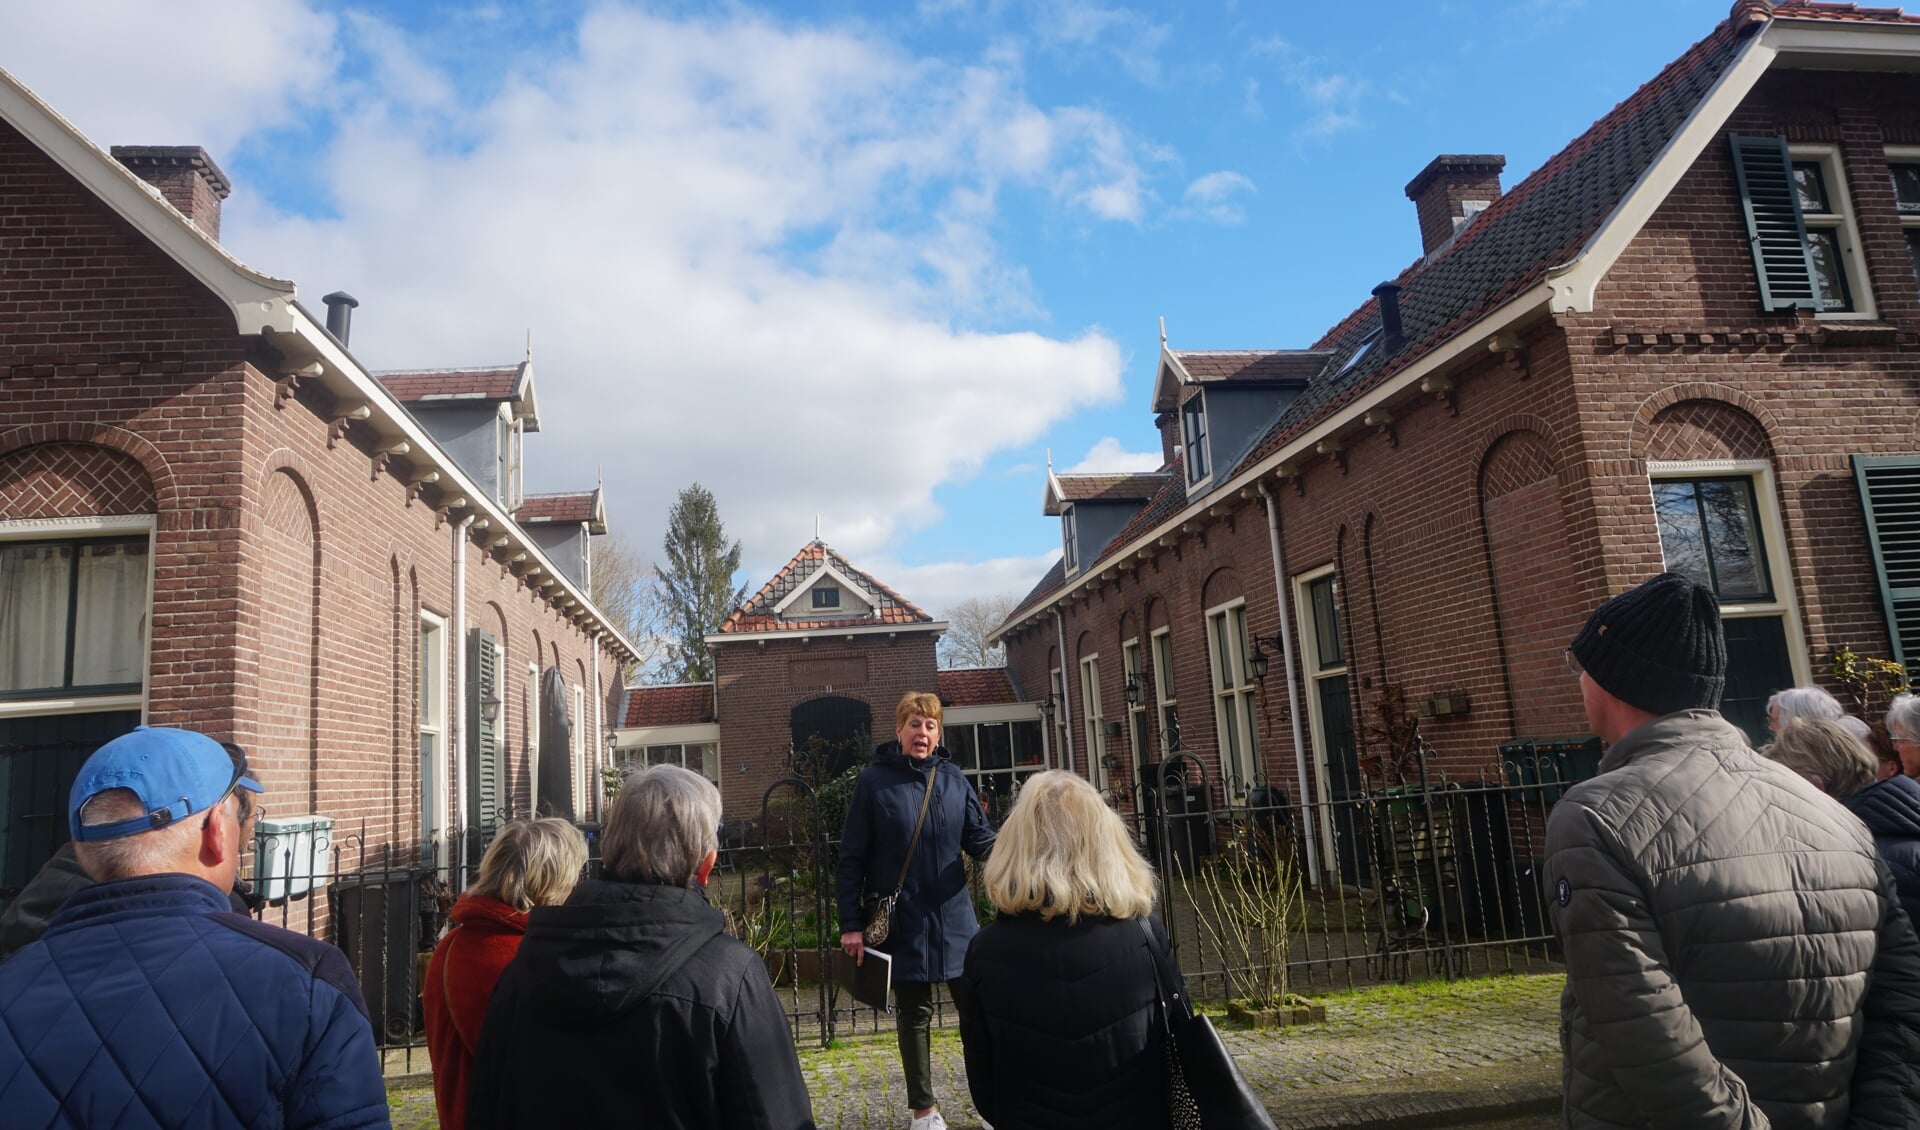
(219, 838)
(706, 868)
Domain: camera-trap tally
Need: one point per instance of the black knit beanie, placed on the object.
(1657, 646)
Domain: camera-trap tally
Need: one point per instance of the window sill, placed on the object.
(78, 704)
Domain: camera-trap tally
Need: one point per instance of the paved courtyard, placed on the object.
(1385, 1056)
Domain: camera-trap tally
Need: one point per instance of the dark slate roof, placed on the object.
(410, 386)
(756, 615)
(682, 704)
(1542, 223)
(974, 686)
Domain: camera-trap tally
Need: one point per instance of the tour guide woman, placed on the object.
(932, 921)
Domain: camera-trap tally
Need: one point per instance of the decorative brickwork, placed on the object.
(66, 480)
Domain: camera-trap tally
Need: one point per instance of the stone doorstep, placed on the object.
(1447, 1098)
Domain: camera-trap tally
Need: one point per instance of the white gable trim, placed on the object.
(827, 571)
(255, 298)
(1785, 41)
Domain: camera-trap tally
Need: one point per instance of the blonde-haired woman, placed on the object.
(1061, 1022)
(530, 863)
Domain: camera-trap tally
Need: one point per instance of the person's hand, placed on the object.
(855, 943)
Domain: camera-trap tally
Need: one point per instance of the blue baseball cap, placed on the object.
(175, 773)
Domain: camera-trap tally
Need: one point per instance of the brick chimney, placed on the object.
(185, 175)
(1169, 425)
(1452, 187)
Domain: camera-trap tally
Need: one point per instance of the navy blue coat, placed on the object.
(1891, 811)
(149, 1002)
(934, 919)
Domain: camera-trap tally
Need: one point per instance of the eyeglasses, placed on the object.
(1573, 665)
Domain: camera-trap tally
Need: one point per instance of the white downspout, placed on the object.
(1293, 686)
(1066, 680)
(457, 725)
(592, 810)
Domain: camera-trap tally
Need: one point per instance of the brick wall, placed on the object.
(289, 571)
(1473, 538)
(758, 685)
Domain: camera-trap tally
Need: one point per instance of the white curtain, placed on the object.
(33, 616)
(109, 629)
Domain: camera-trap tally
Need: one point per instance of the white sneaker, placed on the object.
(929, 1121)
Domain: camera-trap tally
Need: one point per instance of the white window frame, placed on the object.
(1160, 654)
(1310, 662)
(1197, 475)
(1093, 720)
(1136, 711)
(1909, 221)
(1069, 541)
(1852, 260)
(1773, 540)
(104, 525)
(430, 687)
(1009, 714)
(1232, 690)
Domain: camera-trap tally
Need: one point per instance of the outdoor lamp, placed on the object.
(1260, 660)
(489, 709)
(1132, 689)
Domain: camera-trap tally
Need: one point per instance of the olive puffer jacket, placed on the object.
(1736, 957)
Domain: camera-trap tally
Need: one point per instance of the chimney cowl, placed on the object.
(185, 176)
(1393, 334)
(1442, 191)
(340, 308)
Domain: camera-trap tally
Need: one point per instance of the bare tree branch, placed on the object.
(972, 620)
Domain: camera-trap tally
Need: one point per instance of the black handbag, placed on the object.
(879, 925)
(1205, 1089)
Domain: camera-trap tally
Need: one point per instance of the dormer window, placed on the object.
(1193, 425)
(826, 596)
(1069, 551)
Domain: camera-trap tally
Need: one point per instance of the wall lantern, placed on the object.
(489, 709)
(1132, 689)
(1261, 659)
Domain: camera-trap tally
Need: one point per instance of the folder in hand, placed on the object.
(870, 982)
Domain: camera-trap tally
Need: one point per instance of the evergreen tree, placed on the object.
(695, 589)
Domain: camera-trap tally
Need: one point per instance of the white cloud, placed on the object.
(1332, 98)
(939, 586)
(758, 256)
(1130, 38)
(1213, 196)
(193, 72)
(1109, 457)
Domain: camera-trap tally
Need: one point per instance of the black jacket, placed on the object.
(934, 919)
(627, 1006)
(1891, 811)
(1061, 1024)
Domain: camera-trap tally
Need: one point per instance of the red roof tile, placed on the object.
(757, 614)
(1251, 364)
(1111, 488)
(683, 704)
(411, 385)
(579, 506)
(1844, 12)
(975, 686)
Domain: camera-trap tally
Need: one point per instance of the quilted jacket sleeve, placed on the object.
(1620, 984)
(976, 1036)
(339, 1085)
(1886, 1075)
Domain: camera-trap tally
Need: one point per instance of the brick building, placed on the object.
(1687, 341)
(212, 515)
(807, 672)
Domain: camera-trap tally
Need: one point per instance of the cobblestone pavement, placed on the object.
(1476, 1050)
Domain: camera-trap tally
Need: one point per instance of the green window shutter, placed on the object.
(485, 778)
(1775, 228)
(1890, 496)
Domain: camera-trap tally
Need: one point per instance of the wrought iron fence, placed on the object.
(1389, 884)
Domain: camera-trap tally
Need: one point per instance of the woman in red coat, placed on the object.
(531, 863)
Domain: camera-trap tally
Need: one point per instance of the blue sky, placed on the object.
(869, 262)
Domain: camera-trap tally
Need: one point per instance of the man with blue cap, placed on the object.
(149, 1002)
